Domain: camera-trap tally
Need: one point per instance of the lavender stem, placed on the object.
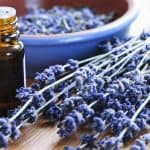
(134, 117)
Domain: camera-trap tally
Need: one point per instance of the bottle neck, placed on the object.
(7, 29)
(8, 21)
(9, 33)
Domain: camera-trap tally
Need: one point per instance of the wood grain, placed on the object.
(43, 136)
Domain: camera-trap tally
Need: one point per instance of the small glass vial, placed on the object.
(12, 60)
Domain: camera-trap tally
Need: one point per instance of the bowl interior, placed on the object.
(102, 6)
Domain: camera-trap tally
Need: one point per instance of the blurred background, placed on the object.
(23, 5)
(83, 45)
(143, 19)
(141, 22)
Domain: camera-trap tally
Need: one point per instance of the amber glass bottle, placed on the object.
(12, 63)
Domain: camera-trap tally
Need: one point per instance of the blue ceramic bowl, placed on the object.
(44, 50)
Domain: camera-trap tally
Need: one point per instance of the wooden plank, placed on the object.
(43, 136)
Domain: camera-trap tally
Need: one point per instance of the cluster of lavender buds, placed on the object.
(61, 19)
(110, 91)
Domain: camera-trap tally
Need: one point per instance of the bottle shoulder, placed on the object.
(14, 46)
(11, 51)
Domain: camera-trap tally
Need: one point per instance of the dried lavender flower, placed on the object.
(146, 138)
(139, 144)
(60, 19)
(67, 127)
(15, 132)
(98, 124)
(3, 141)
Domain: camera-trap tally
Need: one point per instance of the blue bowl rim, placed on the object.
(91, 34)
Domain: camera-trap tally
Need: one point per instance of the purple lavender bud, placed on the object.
(114, 103)
(112, 92)
(5, 127)
(114, 86)
(147, 78)
(79, 82)
(86, 111)
(100, 83)
(87, 13)
(131, 111)
(77, 117)
(144, 35)
(129, 135)
(88, 139)
(107, 114)
(119, 113)
(146, 138)
(38, 100)
(48, 72)
(73, 64)
(3, 121)
(23, 94)
(20, 118)
(141, 144)
(58, 69)
(35, 86)
(68, 103)
(145, 115)
(76, 99)
(125, 82)
(66, 127)
(31, 114)
(101, 144)
(107, 79)
(87, 73)
(65, 94)
(105, 46)
(87, 96)
(134, 128)
(125, 121)
(93, 67)
(141, 123)
(15, 132)
(48, 94)
(45, 78)
(103, 97)
(108, 143)
(61, 20)
(71, 148)
(121, 86)
(116, 126)
(135, 147)
(92, 87)
(98, 124)
(116, 41)
(126, 107)
(53, 113)
(133, 75)
(91, 24)
(59, 87)
(3, 141)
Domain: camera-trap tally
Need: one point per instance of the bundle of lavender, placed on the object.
(108, 91)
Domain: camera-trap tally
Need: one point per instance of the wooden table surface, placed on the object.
(42, 136)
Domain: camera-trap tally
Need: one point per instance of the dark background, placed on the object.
(106, 5)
